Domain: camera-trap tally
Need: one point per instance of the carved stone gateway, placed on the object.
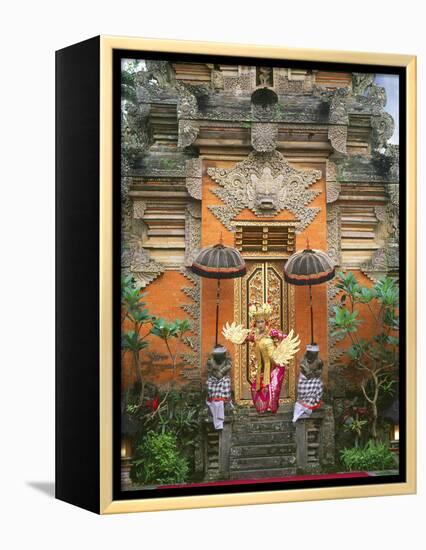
(266, 184)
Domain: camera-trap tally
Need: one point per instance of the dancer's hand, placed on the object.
(237, 334)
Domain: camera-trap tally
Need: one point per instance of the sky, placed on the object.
(391, 85)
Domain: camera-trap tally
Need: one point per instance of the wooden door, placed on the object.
(264, 280)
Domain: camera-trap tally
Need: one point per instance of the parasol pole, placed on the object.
(312, 314)
(217, 309)
(310, 300)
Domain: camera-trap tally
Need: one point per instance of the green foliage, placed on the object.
(375, 357)
(374, 456)
(128, 85)
(344, 321)
(158, 461)
(177, 416)
(133, 309)
(355, 425)
(169, 329)
(130, 341)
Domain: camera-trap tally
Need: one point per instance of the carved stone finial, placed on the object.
(383, 127)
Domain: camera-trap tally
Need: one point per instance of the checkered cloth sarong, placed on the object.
(309, 390)
(218, 389)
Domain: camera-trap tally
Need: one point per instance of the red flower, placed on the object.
(155, 403)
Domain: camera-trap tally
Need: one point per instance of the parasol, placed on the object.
(306, 268)
(219, 262)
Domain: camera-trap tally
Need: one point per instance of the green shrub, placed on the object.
(374, 456)
(158, 461)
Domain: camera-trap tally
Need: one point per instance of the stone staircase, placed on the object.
(262, 446)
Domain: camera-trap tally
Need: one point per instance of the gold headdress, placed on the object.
(260, 311)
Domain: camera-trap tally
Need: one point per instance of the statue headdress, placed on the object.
(260, 311)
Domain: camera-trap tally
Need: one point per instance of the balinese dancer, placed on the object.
(273, 351)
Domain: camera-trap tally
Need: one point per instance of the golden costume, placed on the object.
(271, 358)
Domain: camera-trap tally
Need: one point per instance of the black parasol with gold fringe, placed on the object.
(306, 268)
(219, 262)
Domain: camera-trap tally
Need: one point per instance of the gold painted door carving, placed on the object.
(264, 281)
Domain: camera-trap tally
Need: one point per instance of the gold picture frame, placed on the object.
(107, 46)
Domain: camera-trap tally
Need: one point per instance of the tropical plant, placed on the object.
(168, 331)
(144, 324)
(158, 460)
(375, 358)
(134, 341)
(374, 456)
(175, 415)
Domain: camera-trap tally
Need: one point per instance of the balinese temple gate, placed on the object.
(266, 159)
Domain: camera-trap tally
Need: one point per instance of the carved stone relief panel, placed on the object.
(265, 183)
(137, 261)
(334, 239)
(194, 177)
(192, 232)
(333, 186)
(264, 136)
(338, 136)
(187, 133)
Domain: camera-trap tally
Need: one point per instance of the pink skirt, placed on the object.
(268, 397)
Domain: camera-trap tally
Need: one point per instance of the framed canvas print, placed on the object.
(235, 274)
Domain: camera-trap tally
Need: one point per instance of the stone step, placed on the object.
(251, 451)
(262, 425)
(260, 474)
(262, 462)
(263, 438)
(252, 413)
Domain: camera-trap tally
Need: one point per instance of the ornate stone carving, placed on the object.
(334, 233)
(361, 81)
(338, 111)
(264, 136)
(338, 136)
(139, 208)
(187, 105)
(380, 212)
(383, 127)
(266, 184)
(194, 177)
(192, 358)
(188, 132)
(242, 84)
(333, 186)
(192, 232)
(161, 71)
(377, 96)
(384, 261)
(391, 153)
(263, 113)
(283, 85)
(217, 79)
(144, 269)
(392, 212)
(265, 76)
